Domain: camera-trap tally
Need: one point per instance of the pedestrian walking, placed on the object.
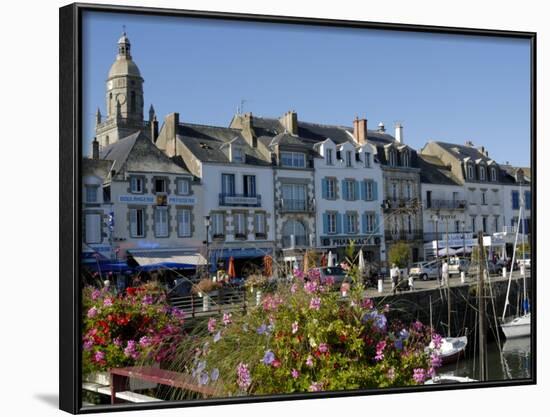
(444, 273)
(394, 275)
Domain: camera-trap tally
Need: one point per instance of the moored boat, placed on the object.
(517, 327)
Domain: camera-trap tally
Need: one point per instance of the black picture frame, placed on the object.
(70, 123)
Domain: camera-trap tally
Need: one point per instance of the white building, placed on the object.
(347, 182)
(156, 205)
(238, 191)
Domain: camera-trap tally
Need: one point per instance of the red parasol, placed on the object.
(268, 265)
(231, 268)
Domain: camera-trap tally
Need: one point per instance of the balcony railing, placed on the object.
(240, 200)
(446, 204)
(442, 235)
(400, 203)
(291, 205)
(403, 235)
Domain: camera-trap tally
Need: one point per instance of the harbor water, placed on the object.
(511, 361)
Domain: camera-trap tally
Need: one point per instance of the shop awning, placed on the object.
(150, 260)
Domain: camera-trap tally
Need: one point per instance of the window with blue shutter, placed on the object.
(363, 190)
(364, 223)
(528, 200)
(515, 200)
(374, 190)
(356, 190)
(325, 223)
(376, 222)
(338, 223)
(324, 186)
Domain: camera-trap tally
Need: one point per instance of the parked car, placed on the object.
(458, 265)
(527, 262)
(425, 270)
(494, 268)
(335, 272)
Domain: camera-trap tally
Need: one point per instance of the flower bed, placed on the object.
(304, 337)
(136, 327)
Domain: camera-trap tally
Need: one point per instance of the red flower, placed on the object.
(342, 338)
(276, 363)
(131, 291)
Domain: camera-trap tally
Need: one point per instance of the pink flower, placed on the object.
(178, 313)
(92, 312)
(391, 374)
(226, 318)
(108, 302)
(316, 386)
(145, 341)
(295, 374)
(211, 325)
(344, 266)
(298, 273)
(435, 360)
(315, 303)
(294, 327)
(437, 340)
(243, 376)
(99, 356)
(418, 326)
(309, 361)
(130, 350)
(147, 300)
(419, 375)
(311, 286)
(96, 294)
(367, 303)
(88, 344)
(117, 342)
(380, 346)
(329, 280)
(293, 288)
(323, 348)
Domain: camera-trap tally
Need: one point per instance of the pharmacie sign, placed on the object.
(151, 199)
(346, 241)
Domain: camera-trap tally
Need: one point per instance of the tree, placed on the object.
(399, 254)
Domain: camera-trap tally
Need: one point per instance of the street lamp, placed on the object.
(435, 219)
(207, 225)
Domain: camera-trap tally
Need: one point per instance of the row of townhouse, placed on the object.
(276, 187)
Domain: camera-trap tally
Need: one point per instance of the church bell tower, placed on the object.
(124, 98)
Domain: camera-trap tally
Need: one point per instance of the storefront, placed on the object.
(337, 245)
(246, 260)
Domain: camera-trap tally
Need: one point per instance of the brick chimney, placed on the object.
(247, 129)
(360, 130)
(171, 123)
(95, 149)
(290, 122)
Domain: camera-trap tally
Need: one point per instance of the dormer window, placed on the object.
(237, 155)
(367, 159)
(392, 158)
(482, 173)
(470, 171)
(493, 174)
(293, 159)
(405, 159)
(348, 158)
(328, 157)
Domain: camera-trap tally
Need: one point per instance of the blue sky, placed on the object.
(440, 87)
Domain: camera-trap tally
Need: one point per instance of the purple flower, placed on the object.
(117, 342)
(96, 294)
(435, 360)
(88, 344)
(217, 336)
(309, 361)
(130, 350)
(378, 319)
(269, 357)
(295, 374)
(215, 374)
(147, 299)
(99, 356)
(145, 341)
(314, 274)
(92, 312)
(398, 344)
(293, 288)
(243, 376)
(298, 273)
(316, 386)
(329, 280)
(108, 302)
(367, 303)
(201, 366)
(404, 334)
(211, 325)
(311, 286)
(437, 340)
(419, 375)
(323, 348)
(315, 303)
(178, 313)
(294, 327)
(226, 319)
(203, 378)
(418, 326)
(262, 329)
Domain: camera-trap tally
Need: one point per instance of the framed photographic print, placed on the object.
(260, 208)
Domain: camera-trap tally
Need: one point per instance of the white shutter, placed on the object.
(93, 228)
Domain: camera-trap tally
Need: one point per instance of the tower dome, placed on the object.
(124, 65)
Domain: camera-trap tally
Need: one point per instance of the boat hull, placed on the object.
(518, 327)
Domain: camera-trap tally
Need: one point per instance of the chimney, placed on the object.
(247, 129)
(152, 113)
(399, 132)
(171, 123)
(360, 130)
(95, 149)
(381, 127)
(290, 122)
(154, 129)
(470, 143)
(97, 117)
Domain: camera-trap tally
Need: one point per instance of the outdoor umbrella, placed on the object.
(361, 262)
(306, 262)
(330, 259)
(446, 251)
(324, 260)
(268, 266)
(231, 268)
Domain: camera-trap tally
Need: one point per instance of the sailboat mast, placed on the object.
(447, 278)
(523, 268)
(506, 301)
(481, 306)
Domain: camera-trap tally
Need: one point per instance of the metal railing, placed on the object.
(222, 300)
(446, 204)
(403, 235)
(288, 205)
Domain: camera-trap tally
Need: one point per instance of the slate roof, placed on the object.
(434, 171)
(97, 167)
(205, 142)
(464, 151)
(511, 171)
(137, 153)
